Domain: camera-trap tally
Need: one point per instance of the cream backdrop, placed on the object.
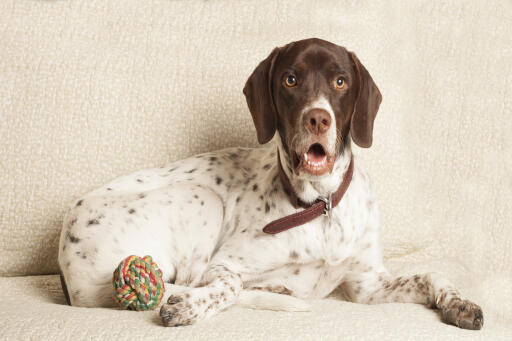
(90, 90)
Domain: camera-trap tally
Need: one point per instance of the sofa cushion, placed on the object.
(93, 90)
(33, 307)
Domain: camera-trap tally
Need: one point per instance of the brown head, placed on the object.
(314, 93)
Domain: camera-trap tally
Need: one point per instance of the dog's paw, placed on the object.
(464, 314)
(178, 311)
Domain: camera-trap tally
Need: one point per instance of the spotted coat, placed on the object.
(201, 218)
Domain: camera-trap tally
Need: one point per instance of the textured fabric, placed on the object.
(90, 90)
(34, 308)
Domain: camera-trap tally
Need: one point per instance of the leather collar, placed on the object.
(322, 205)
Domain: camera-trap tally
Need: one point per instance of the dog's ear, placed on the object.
(367, 104)
(258, 93)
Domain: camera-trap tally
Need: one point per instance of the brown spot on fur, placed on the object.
(369, 204)
(93, 222)
(278, 289)
(72, 239)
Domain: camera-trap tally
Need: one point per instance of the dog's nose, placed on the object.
(317, 121)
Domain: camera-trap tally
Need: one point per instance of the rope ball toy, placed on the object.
(138, 284)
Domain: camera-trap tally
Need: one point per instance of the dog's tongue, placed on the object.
(316, 153)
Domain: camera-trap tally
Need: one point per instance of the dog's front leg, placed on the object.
(220, 288)
(430, 289)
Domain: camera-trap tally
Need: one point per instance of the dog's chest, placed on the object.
(313, 279)
(318, 253)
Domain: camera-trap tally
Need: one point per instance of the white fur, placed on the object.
(202, 218)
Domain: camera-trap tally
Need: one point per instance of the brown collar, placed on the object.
(322, 205)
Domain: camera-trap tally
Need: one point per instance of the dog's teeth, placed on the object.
(315, 165)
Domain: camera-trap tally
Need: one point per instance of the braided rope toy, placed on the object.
(138, 284)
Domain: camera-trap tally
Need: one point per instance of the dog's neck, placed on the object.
(308, 190)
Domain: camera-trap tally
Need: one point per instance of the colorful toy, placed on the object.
(138, 284)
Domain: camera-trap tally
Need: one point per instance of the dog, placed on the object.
(258, 227)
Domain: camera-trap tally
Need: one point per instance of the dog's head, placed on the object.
(313, 93)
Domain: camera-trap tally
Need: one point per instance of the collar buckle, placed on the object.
(328, 204)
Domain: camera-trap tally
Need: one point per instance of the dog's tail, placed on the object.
(257, 299)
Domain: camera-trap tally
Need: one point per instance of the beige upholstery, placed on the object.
(90, 90)
(38, 311)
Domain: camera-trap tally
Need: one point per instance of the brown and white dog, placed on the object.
(202, 218)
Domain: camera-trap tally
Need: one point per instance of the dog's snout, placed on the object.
(317, 121)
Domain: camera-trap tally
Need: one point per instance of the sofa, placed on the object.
(91, 90)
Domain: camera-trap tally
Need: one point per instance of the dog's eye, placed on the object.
(290, 81)
(340, 83)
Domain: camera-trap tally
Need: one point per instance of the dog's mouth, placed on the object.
(315, 160)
